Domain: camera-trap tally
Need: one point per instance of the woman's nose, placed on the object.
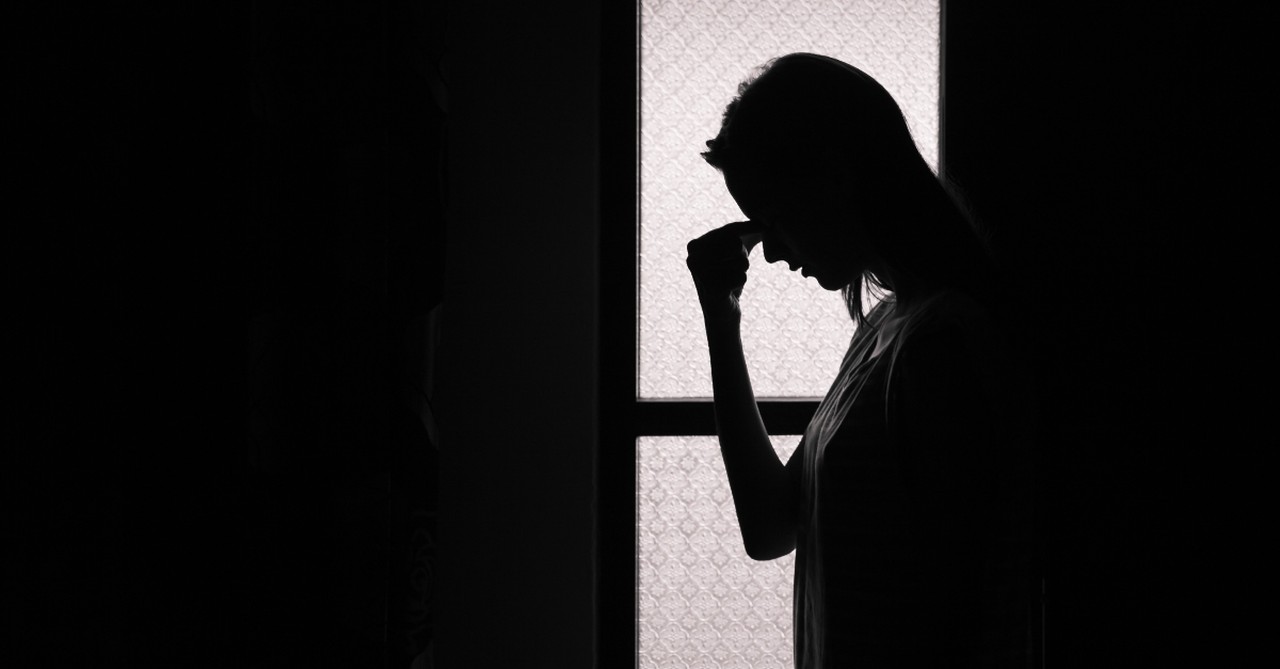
(770, 252)
(773, 249)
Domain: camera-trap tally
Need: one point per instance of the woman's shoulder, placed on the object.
(955, 327)
(967, 333)
(951, 311)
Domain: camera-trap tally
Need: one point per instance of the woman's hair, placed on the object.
(803, 114)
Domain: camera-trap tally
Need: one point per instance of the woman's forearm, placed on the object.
(762, 490)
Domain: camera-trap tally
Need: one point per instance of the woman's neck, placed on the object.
(907, 290)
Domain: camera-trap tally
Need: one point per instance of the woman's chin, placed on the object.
(825, 283)
(822, 281)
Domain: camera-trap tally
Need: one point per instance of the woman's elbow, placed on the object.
(762, 550)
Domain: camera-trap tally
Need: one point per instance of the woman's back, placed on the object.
(910, 551)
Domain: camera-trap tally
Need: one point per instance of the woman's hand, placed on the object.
(718, 262)
(765, 493)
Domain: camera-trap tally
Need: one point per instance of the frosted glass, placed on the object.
(693, 55)
(702, 601)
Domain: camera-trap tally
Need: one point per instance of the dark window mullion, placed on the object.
(696, 417)
(615, 559)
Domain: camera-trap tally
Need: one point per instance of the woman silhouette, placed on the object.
(908, 499)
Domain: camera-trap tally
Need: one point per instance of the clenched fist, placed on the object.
(718, 262)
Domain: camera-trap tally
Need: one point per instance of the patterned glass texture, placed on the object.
(693, 55)
(702, 601)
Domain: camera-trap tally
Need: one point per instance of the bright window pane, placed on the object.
(702, 601)
(693, 54)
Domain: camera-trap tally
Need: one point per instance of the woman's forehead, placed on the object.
(749, 188)
(758, 188)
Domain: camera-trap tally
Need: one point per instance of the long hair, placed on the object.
(802, 114)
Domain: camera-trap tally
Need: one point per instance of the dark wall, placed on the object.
(124, 453)
(1111, 152)
(518, 387)
(227, 264)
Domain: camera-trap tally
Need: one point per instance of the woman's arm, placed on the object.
(764, 492)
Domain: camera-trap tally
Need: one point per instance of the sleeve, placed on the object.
(939, 411)
(795, 474)
(967, 482)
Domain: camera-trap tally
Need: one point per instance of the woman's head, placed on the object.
(819, 152)
(805, 114)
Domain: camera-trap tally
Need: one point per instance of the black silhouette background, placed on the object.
(212, 205)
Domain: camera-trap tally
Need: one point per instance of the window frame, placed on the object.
(624, 416)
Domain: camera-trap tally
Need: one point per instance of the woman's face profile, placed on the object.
(808, 226)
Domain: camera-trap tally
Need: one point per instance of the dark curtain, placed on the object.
(348, 104)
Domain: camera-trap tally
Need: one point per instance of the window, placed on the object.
(700, 600)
